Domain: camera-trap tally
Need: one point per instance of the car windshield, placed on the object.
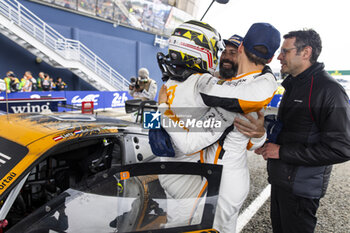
(119, 201)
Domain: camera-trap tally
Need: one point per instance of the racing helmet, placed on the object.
(193, 47)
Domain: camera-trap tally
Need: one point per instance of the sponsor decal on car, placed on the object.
(58, 138)
(3, 158)
(82, 132)
(10, 155)
(7, 180)
(110, 128)
(124, 175)
(77, 132)
(85, 132)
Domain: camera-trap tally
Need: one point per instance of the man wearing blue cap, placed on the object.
(227, 69)
(252, 88)
(254, 52)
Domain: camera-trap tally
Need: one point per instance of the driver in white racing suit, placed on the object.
(250, 91)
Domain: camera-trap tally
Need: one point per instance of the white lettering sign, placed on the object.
(119, 100)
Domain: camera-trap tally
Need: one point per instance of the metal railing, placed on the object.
(67, 48)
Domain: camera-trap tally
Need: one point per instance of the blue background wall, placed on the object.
(125, 49)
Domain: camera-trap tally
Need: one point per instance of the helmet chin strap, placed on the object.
(172, 70)
(185, 74)
(161, 59)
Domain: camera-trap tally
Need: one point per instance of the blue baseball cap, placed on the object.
(262, 34)
(234, 40)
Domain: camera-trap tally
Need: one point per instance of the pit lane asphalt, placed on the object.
(333, 214)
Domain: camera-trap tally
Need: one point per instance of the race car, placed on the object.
(64, 172)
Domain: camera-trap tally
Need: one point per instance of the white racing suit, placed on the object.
(196, 98)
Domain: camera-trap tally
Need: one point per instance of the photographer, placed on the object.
(143, 87)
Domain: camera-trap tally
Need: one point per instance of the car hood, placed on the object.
(24, 138)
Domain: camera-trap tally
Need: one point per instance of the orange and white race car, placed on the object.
(85, 173)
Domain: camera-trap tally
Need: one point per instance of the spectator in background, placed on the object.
(60, 85)
(12, 83)
(40, 80)
(143, 87)
(46, 84)
(52, 85)
(128, 5)
(67, 5)
(7, 81)
(147, 17)
(34, 84)
(26, 84)
(2, 85)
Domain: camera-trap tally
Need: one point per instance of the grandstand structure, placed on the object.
(27, 30)
(90, 51)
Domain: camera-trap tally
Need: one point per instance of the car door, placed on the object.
(132, 198)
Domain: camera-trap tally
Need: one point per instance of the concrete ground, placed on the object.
(334, 211)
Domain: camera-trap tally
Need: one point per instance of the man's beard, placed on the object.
(228, 73)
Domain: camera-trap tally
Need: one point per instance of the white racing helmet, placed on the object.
(193, 47)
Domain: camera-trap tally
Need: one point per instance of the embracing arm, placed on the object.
(252, 128)
(242, 95)
(198, 133)
(193, 137)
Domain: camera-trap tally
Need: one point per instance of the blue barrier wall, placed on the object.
(101, 99)
(125, 49)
